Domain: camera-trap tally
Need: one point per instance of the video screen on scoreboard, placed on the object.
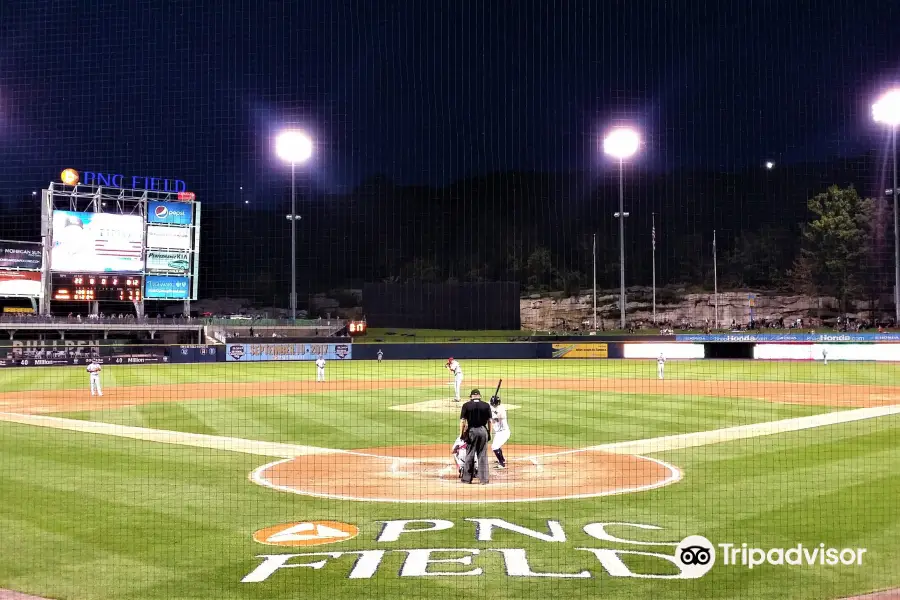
(86, 242)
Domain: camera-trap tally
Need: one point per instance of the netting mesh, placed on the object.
(728, 431)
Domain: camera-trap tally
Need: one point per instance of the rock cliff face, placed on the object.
(544, 313)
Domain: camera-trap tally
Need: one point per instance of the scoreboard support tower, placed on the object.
(102, 199)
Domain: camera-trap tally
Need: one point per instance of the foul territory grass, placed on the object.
(87, 516)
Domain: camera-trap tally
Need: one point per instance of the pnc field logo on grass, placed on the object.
(306, 533)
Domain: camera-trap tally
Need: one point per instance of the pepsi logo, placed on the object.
(161, 212)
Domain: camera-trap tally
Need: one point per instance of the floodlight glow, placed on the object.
(887, 109)
(770, 164)
(293, 147)
(622, 143)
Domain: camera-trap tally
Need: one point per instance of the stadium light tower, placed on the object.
(294, 147)
(887, 111)
(621, 143)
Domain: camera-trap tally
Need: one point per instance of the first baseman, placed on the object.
(661, 366)
(501, 430)
(320, 368)
(456, 370)
(93, 370)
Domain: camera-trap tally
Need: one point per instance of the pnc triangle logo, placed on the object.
(306, 533)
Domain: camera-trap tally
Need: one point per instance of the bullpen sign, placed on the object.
(304, 352)
(169, 213)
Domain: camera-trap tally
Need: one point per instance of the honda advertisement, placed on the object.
(169, 213)
(159, 287)
(20, 255)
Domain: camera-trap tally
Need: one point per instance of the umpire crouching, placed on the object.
(475, 430)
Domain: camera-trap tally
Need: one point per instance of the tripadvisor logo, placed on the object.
(598, 549)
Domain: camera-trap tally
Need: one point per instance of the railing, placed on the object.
(32, 319)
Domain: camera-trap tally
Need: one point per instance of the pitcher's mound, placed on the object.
(428, 474)
(439, 406)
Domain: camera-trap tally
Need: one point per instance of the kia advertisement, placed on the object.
(168, 261)
(20, 284)
(159, 287)
(169, 213)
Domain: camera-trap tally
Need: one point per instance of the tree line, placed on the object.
(821, 228)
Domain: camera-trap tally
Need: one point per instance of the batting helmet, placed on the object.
(495, 400)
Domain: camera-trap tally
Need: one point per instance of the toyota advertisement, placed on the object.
(85, 242)
(169, 213)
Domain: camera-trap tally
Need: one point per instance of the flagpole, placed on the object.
(594, 251)
(653, 234)
(715, 279)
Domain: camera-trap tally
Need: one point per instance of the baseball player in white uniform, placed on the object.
(320, 368)
(500, 430)
(661, 366)
(458, 451)
(824, 356)
(93, 370)
(380, 355)
(457, 373)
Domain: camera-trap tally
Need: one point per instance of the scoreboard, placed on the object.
(88, 287)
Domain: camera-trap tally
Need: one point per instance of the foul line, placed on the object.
(739, 432)
(281, 450)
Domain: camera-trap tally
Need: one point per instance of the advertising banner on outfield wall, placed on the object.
(788, 337)
(580, 350)
(20, 255)
(263, 352)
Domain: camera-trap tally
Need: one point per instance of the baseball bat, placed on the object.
(497, 391)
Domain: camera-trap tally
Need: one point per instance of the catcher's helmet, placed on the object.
(495, 400)
(474, 393)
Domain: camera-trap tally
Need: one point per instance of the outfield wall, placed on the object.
(633, 348)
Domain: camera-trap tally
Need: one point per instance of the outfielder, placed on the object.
(501, 430)
(93, 370)
(824, 356)
(456, 370)
(380, 355)
(661, 366)
(320, 368)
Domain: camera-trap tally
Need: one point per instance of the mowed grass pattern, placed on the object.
(87, 516)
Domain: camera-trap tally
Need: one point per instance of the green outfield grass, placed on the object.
(89, 516)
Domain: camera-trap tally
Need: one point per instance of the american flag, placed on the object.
(653, 233)
(119, 247)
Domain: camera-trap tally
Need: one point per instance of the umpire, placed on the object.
(475, 430)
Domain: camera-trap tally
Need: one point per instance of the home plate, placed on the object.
(439, 406)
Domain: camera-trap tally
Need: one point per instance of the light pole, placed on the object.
(295, 147)
(621, 143)
(887, 110)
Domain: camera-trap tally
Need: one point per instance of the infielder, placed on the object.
(320, 368)
(501, 430)
(93, 370)
(456, 370)
(661, 366)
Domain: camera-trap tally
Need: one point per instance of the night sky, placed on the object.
(431, 91)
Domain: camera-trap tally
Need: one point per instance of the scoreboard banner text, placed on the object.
(297, 352)
(20, 255)
(580, 350)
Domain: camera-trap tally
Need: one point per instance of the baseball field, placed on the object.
(251, 480)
